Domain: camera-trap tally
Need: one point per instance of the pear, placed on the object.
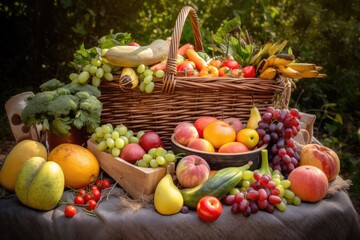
(167, 197)
(254, 118)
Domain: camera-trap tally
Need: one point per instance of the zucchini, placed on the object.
(132, 56)
(218, 185)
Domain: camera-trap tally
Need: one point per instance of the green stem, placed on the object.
(264, 168)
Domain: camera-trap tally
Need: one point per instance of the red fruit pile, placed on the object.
(88, 197)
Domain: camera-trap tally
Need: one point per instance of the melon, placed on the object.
(40, 184)
(22, 151)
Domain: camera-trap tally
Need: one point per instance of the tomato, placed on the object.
(91, 204)
(99, 183)
(209, 208)
(79, 200)
(81, 192)
(87, 197)
(96, 194)
(216, 62)
(185, 68)
(236, 72)
(249, 72)
(105, 184)
(209, 71)
(95, 187)
(224, 72)
(232, 64)
(70, 211)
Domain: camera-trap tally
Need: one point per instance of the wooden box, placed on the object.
(137, 181)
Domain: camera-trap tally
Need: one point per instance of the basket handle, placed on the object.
(168, 81)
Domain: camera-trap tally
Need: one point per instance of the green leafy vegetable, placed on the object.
(57, 109)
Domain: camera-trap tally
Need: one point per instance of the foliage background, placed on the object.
(40, 38)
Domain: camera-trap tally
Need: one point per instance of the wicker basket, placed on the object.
(176, 99)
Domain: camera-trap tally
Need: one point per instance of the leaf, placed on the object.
(222, 34)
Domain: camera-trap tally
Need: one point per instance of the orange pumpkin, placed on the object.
(79, 165)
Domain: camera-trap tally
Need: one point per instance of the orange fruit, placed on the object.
(79, 165)
(218, 133)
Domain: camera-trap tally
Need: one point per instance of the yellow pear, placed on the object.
(254, 118)
(167, 197)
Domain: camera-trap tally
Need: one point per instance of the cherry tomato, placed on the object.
(79, 200)
(209, 71)
(87, 197)
(105, 184)
(249, 71)
(81, 192)
(95, 187)
(232, 64)
(96, 194)
(70, 211)
(209, 208)
(91, 204)
(99, 183)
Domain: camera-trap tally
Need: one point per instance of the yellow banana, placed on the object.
(269, 73)
(302, 67)
(282, 46)
(254, 118)
(262, 66)
(288, 72)
(319, 68)
(260, 55)
(309, 74)
(273, 49)
(280, 59)
(321, 75)
(129, 78)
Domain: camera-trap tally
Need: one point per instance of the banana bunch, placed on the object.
(283, 64)
(266, 51)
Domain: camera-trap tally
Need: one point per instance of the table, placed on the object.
(332, 218)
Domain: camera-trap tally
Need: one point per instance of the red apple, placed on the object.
(201, 122)
(185, 133)
(150, 140)
(309, 183)
(233, 147)
(132, 152)
(201, 145)
(321, 157)
(192, 170)
(182, 124)
(134, 44)
(209, 208)
(235, 123)
(185, 68)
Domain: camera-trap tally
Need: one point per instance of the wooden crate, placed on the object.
(139, 182)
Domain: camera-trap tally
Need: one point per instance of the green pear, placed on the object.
(167, 197)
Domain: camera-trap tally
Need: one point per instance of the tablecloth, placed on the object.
(331, 218)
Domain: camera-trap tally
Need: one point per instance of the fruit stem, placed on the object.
(264, 168)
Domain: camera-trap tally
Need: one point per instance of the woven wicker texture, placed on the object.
(176, 99)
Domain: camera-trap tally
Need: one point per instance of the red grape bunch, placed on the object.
(277, 128)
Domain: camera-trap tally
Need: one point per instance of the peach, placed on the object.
(321, 157)
(309, 183)
(201, 145)
(185, 133)
(233, 147)
(235, 123)
(201, 122)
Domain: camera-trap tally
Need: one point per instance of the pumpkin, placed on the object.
(79, 165)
